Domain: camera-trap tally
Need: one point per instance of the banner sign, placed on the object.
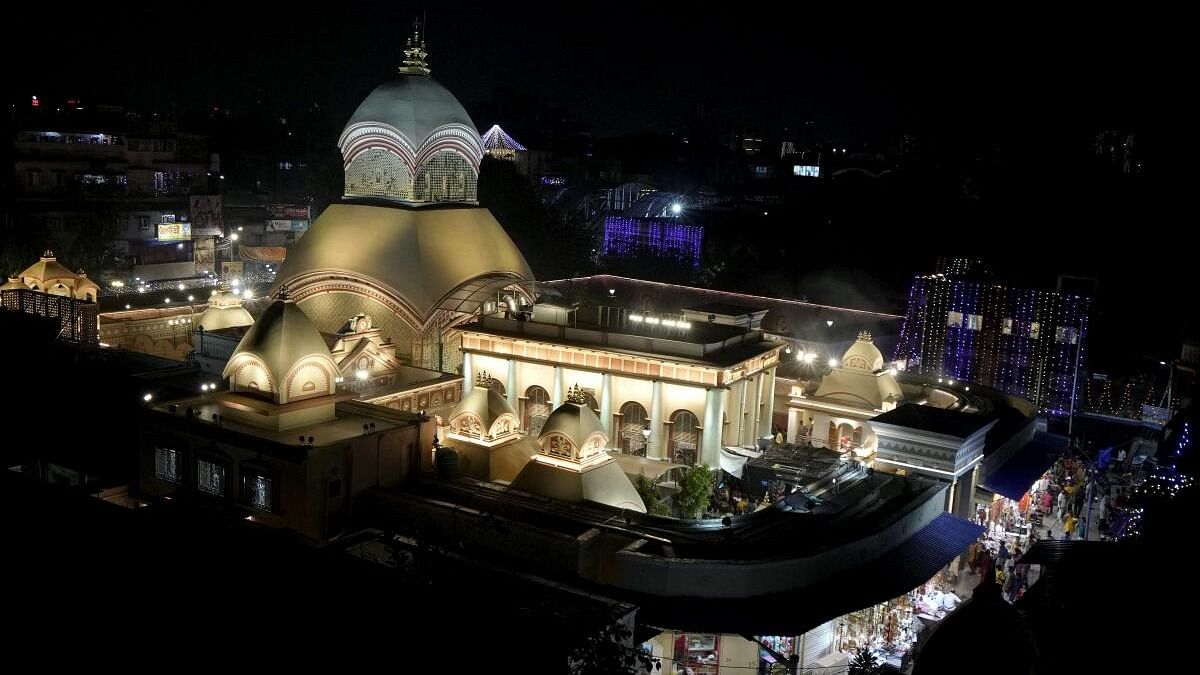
(206, 212)
(174, 231)
(262, 253)
(287, 212)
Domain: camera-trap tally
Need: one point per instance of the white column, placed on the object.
(654, 446)
(468, 373)
(606, 408)
(793, 425)
(556, 396)
(756, 416)
(741, 412)
(714, 414)
(512, 384)
(768, 407)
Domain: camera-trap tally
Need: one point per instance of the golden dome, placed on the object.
(421, 259)
(284, 344)
(13, 283)
(224, 311)
(483, 413)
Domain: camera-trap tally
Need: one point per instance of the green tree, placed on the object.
(648, 491)
(694, 491)
(607, 652)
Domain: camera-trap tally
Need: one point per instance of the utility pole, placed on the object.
(1074, 384)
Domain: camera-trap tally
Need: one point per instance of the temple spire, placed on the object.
(414, 53)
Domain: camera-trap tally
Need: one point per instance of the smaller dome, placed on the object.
(224, 311)
(51, 276)
(284, 343)
(574, 420)
(863, 354)
(483, 413)
(13, 283)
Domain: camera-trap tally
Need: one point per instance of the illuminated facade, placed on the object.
(835, 415)
(282, 445)
(408, 244)
(1027, 342)
(694, 386)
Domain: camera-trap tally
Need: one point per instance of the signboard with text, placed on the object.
(287, 212)
(174, 231)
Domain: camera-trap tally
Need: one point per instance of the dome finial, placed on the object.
(283, 293)
(482, 379)
(864, 336)
(414, 53)
(575, 395)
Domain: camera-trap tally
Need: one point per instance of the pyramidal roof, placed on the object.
(496, 138)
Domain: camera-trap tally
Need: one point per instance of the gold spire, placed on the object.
(864, 336)
(415, 54)
(575, 395)
(482, 379)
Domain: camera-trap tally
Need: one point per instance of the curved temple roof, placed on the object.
(430, 258)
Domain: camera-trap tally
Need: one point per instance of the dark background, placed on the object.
(1006, 103)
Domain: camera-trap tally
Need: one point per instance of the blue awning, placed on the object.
(1014, 478)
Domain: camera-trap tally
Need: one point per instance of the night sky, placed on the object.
(1025, 89)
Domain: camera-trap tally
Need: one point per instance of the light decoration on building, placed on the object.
(498, 144)
(1164, 484)
(1021, 341)
(625, 236)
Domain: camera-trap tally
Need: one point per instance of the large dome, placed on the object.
(413, 105)
(414, 261)
(411, 140)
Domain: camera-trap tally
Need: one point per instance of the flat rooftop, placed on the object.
(704, 344)
(348, 423)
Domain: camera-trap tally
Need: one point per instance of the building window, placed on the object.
(210, 477)
(166, 464)
(1066, 335)
(143, 223)
(630, 439)
(685, 437)
(974, 322)
(33, 178)
(954, 320)
(1033, 330)
(335, 487)
(1006, 327)
(258, 491)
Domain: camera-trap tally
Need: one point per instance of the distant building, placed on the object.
(1023, 341)
(105, 172)
(499, 145)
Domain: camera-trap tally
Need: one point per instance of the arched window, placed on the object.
(590, 401)
(537, 410)
(685, 437)
(630, 438)
(495, 386)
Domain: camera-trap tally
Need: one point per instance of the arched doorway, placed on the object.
(846, 435)
(685, 437)
(630, 438)
(537, 410)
